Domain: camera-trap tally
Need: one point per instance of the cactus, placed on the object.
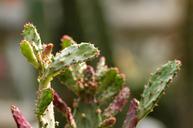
(101, 92)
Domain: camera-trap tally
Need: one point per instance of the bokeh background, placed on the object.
(135, 35)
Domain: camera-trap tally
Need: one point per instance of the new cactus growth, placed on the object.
(19, 118)
(101, 92)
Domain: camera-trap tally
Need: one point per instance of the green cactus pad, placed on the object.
(27, 51)
(156, 86)
(30, 34)
(44, 99)
(86, 116)
(73, 54)
(69, 81)
(110, 84)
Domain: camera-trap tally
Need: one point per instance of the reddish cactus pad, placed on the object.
(19, 118)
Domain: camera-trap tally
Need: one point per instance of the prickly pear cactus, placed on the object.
(100, 92)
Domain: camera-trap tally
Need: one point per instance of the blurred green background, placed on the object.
(135, 35)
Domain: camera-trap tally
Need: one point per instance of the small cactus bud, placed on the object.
(67, 41)
(131, 117)
(19, 118)
(89, 78)
(109, 122)
(118, 103)
(62, 106)
(27, 51)
(46, 53)
(89, 73)
(83, 115)
(98, 111)
(101, 67)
